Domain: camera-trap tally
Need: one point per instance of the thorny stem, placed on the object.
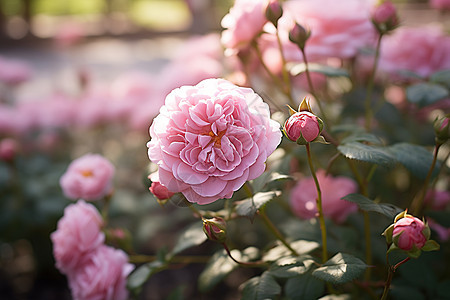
(391, 270)
(285, 74)
(367, 101)
(242, 263)
(417, 204)
(275, 231)
(319, 206)
(311, 87)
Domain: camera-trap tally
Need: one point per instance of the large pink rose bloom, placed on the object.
(209, 139)
(423, 50)
(338, 28)
(244, 21)
(78, 233)
(102, 276)
(88, 177)
(304, 194)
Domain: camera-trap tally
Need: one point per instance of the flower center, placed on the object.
(216, 139)
(87, 173)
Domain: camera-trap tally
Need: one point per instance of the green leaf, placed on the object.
(304, 287)
(248, 207)
(268, 287)
(318, 68)
(431, 245)
(249, 288)
(442, 77)
(362, 137)
(416, 159)
(366, 153)
(267, 177)
(291, 266)
(301, 246)
(424, 94)
(364, 203)
(220, 265)
(192, 236)
(143, 273)
(340, 269)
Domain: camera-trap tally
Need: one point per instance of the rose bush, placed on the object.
(209, 139)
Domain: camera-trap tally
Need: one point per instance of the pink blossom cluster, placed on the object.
(94, 270)
(132, 98)
(304, 194)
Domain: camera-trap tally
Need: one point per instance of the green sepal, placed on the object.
(431, 245)
(291, 110)
(320, 122)
(414, 252)
(301, 140)
(395, 238)
(426, 231)
(388, 234)
(392, 248)
(320, 139)
(401, 215)
(304, 106)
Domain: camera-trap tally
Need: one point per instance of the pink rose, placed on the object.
(303, 124)
(78, 233)
(13, 71)
(244, 21)
(423, 50)
(340, 30)
(409, 231)
(440, 4)
(8, 149)
(88, 177)
(304, 194)
(101, 276)
(438, 199)
(209, 139)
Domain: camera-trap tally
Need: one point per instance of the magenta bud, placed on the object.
(442, 130)
(160, 191)
(274, 11)
(384, 17)
(215, 229)
(302, 125)
(299, 35)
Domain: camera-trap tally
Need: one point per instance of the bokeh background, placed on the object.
(80, 76)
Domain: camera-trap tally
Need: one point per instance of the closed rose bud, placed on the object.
(442, 130)
(299, 35)
(160, 191)
(215, 229)
(8, 149)
(302, 124)
(384, 17)
(408, 233)
(274, 11)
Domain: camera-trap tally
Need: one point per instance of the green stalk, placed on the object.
(391, 270)
(319, 206)
(417, 204)
(275, 231)
(368, 106)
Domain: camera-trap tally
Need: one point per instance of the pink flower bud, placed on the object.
(299, 35)
(408, 233)
(160, 191)
(215, 229)
(302, 124)
(442, 130)
(384, 17)
(274, 11)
